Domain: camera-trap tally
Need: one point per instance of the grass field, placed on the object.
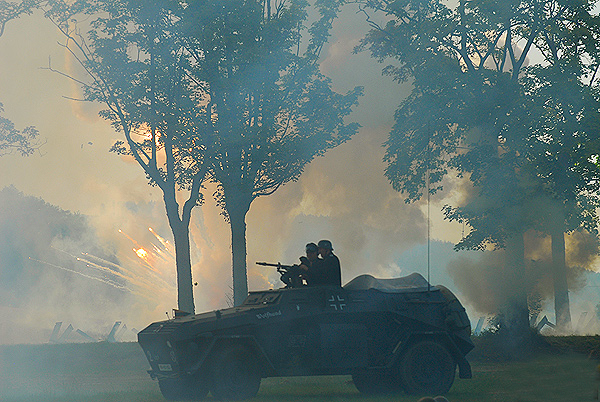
(117, 372)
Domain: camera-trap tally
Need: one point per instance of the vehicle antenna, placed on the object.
(428, 212)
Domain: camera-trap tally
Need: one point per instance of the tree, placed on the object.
(469, 111)
(564, 142)
(214, 89)
(137, 65)
(558, 190)
(23, 141)
(272, 110)
(11, 11)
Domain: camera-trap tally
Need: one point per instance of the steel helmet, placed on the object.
(311, 247)
(326, 244)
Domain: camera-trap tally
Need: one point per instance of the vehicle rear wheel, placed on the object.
(375, 382)
(235, 375)
(427, 367)
(183, 389)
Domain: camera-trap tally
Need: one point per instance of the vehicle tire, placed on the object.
(183, 389)
(375, 382)
(235, 375)
(427, 367)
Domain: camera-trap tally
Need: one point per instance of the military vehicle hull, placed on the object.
(390, 335)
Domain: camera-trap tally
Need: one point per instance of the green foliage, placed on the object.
(525, 135)
(272, 110)
(223, 86)
(136, 63)
(563, 119)
(12, 10)
(24, 141)
(221, 90)
(12, 140)
(269, 109)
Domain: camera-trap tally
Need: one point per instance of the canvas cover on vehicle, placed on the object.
(412, 282)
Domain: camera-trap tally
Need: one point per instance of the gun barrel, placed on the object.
(270, 264)
(267, 264)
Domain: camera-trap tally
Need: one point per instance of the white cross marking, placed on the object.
(337, 303)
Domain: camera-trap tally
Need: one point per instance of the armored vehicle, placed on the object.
(388, 334)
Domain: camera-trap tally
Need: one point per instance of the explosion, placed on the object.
(143, 254)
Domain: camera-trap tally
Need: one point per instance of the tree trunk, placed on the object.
(561, 288)
(181, 237)
(185, 293)
(237, 221)
(516, 311)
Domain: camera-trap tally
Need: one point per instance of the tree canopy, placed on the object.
(504, 94)
(24, 141)
(472, 69)
(272, 111)
(226, 91)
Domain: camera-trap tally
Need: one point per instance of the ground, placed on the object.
(565, 371)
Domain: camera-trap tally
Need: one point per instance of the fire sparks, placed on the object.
(143, 254)
(146, 275)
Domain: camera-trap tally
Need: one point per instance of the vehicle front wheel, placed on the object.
(235, 375)
(183, 389)
(427, 367)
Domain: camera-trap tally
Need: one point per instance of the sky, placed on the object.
(342, 196)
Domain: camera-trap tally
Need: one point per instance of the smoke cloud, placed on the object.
(43, 278)
(480, 276)
(343, 197)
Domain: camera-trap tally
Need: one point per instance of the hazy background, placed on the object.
(343, 197)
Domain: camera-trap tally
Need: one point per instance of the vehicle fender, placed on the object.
(456, 315)
(464, 368)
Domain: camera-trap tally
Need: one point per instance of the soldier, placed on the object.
(296, 275)
(306, 263)
(327, 270)
(321, 271)
(312, 254)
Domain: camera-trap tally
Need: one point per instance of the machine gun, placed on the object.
(290, 274)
